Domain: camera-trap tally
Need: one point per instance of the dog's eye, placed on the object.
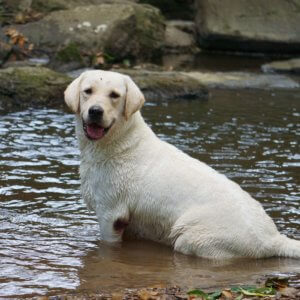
(88, 91)
(114, 95)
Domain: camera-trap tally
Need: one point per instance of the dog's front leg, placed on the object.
(113, 224)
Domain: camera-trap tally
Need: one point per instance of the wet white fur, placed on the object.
(166, 195)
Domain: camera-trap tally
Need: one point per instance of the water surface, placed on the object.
(49, 242)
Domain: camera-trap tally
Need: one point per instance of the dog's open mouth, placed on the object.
(94, 131)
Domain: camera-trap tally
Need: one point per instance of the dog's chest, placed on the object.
(100, 184)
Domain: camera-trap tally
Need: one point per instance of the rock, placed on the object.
(22, 87)
(161, 86)
(249, 25)
(177, 61)
(285, 66)
(27, 86)
(242, 80)
(119, 30)
(180, 37)
(169, 85)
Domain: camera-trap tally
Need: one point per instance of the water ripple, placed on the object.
(46, 232)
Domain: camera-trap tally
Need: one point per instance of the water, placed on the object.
(49, 242)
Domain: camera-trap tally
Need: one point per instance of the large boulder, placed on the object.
(180, 37)
(249, 25)
(22, 87)
(118, 30)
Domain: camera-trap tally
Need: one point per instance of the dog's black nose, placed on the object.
(96, 112)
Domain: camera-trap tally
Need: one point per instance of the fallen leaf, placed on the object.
(145, 295)
(259, 292)
(227, 294)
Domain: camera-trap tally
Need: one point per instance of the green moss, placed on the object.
(25, 86)
(69, 54)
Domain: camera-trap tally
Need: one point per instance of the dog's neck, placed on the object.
(125, 137)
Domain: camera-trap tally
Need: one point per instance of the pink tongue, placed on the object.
(95, 132)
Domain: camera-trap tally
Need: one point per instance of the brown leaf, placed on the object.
(21, 42)
(147, 295)
(10, 31)
(227, 294)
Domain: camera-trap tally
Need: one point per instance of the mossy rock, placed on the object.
(141, 35)
(69, 53)
(165, 86)
(22, 87)
(118, 29)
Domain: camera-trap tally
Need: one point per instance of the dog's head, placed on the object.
(102, 99)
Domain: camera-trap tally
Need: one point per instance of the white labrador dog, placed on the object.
(149, 189)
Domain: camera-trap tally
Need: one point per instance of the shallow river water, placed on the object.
(49, 242)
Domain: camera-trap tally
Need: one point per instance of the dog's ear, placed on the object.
(72, 95)
(134, 98)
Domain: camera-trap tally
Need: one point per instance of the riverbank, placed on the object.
(272, 287)
(36, 86)
(152, 41)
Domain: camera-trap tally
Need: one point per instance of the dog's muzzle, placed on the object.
(92, 127)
